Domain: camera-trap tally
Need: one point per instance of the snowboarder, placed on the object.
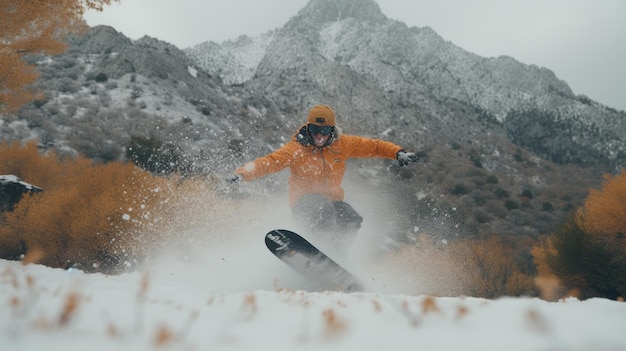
(316, 157)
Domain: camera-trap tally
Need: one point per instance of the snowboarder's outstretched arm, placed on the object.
(271, 163)
(364, 147)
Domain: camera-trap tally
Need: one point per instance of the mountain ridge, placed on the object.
(409, 65)
(323, 11)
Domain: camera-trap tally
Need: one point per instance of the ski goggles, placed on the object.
(324, 130)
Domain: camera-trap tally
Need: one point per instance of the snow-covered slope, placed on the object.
(234, 61)
(52, 309)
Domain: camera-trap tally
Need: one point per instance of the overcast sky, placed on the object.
(582, 41)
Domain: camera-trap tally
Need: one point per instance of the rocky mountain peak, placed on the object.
(324, 11)
(100, 39)
(347, 51)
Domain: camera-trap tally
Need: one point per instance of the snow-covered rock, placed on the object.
(11, 190)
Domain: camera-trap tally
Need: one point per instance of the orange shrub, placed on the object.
(586, 256)
(99, 217)
(491, 265)
(604, 211)
(548, 284)
(25, 162)
(480, 268)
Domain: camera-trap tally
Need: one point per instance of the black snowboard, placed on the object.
(310, 262)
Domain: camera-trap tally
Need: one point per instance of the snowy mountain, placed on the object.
(506, 148)
(351, 55)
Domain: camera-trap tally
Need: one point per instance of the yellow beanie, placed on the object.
(322, 115)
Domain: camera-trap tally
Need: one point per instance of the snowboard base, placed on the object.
(309, 261)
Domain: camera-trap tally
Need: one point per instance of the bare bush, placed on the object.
(98, 217)
(481, 268)
(587, 254)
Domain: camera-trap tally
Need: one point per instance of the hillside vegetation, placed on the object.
(93, 216)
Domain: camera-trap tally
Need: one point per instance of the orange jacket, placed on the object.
(317, 170)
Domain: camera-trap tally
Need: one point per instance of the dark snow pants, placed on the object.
(318, 213)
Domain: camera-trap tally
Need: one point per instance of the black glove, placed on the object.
(235, 179)
(405, 157)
